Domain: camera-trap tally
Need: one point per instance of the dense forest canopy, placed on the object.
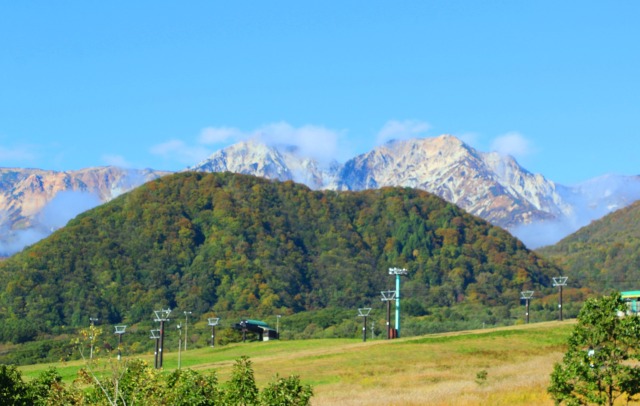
(236, 244)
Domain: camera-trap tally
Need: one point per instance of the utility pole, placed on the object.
(388, 296)
(186, 328)
(162, 316)
(213, 322)
(120, 332)
(526, 295)
(364, 312)
(560, 282)
(397, 272)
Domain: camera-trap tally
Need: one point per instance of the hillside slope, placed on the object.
(605, 255)
(237, 244)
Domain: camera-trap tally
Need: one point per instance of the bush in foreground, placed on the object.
(139, 384)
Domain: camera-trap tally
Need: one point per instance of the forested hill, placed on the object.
(237, 244)
(604, 255)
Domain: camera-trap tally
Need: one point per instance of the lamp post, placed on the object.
(278, 325)
(162, 316)
(213, 322)
(560, 282)
(397, 272)
(120, 332)
(526, 295)
(364, 312)
(388, 296)
(186, 328)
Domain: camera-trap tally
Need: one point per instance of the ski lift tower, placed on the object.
(560, 282)
(364, 312)
(162, 316)
(397, 272)
(155, 335)
(186, 327)
(527, 295)
(213, 322)
(388, 296)
(120, 332)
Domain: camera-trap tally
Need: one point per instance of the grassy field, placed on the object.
(501, 366)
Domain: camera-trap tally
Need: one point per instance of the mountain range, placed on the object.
(495, 187)
(489, 185)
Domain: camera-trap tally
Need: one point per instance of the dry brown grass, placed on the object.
(434, 370)
(449, 380)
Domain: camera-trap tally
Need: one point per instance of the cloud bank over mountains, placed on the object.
(319, 149)
(319, 142)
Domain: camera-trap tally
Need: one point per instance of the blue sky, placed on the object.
(164, 84)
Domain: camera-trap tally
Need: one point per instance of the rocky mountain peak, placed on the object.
(273, 162)
(491, 186)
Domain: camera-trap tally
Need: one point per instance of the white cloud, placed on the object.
(213, 135)
(313, 141)
(471, 139)
(65, 206)
(514, 144)
(15, 240)
(62, 208)
(116, 160)
(320, 143)
(177, 150)
(402, 130)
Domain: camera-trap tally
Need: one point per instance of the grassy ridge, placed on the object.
(439, 369)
